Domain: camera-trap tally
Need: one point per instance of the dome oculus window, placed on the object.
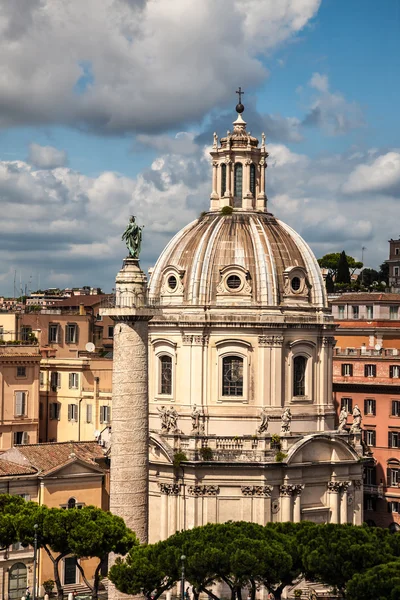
(233, 282)
(172, 283)
(296, 284)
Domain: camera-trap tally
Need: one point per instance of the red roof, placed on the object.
(367, 297)
(75, 301)
(11, 468)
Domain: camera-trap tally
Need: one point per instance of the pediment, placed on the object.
(75, 467)
(321, 448)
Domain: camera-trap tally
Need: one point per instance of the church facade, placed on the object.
(239, 341)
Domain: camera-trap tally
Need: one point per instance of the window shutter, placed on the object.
(343, 370)
(76, 334)
(350, 405)
(58, 378)
(365, 407)
(374, 407)
(365, 370)
(390, 439)
(70, 382)
(58, 411)
(391, 371)
(25, 437)
(389, 507)
(101, 414)
(374, 438)
(89, 413)
(388, 477)
(374, 370)
(69, 412)
(108, 414)
(18, 404)
(76, 412)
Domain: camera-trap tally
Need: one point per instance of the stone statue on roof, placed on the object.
(133, 238)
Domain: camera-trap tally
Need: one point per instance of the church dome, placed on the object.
(245, 258)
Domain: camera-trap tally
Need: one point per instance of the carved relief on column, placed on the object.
(358, 484)
(170, 489)
(203, 490)
(334, 487)
(257, 490)
(270, 340)
(290, 489)
(329, 341)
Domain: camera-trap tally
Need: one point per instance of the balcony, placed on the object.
(373, 490)
(389, 353)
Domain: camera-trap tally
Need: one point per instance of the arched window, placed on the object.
(165, 374)
(299, 376)
(223, 179)
(232, 376)
(17, 581)
(71, 503)
(238, 184)
(253, 179)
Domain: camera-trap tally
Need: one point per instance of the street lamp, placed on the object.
(35, 541)
(183, 558)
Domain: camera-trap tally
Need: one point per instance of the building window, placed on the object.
(253, 179)
(369, 503)
(20, 404)
(17, 581)
(370, 437)
(166, 374)
(355, 311)
(72, 333)
(393, 506)
(105, 414)
(1, 332)
(394, 371)
(55, 380)
(370, 312)
(393, 313)
(21, 371)
(299, 376)
(89, 412)
(233, 282)
(223, 179)
(232, 376)
(70, 570)
(370, 370)
(73, 381)
(55, 409)
(396, 251)
(54, 330)
(395, 408)
(238, 184)
(370, 476)
(341, 312)
(396, 269)
(369, 406)
(394, 439)
(41, 378)
(26, 333)
(347, 370)
(172, 285)
(347, 404)
(71, 503)
(72, 412)
(393, 477)
(111, 331)
(21, 437)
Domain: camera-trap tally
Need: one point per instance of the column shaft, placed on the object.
(343, 507)
(297, 508)
(334, 506)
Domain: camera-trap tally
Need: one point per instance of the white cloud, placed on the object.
(379, 175)
(319, 82)
(46, 157)
(130, 65)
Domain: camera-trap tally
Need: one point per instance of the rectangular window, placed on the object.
(355, 311)
(18, 435)
(1, 332)
(393, 479)
(55, 409)
(369, 407)
(21, 371)
(369, 503)
(105, 414)
(395, 408)
(26, 333)
(41, 377)
(396, 251)
(370, 370)
(54, 335)
(347, 403)
(73, 381)
(393, 507)
(347, 370)
(396, 269)
(71, 336)
(72, 412)
(89, 413)
(394, 371)
(370, 312)
(393, 313)
(341, 312)
(370, 476)
(55, 380)
(370, 437)
(111, 331)
(165, 366)
(20, 404)
(394, 439)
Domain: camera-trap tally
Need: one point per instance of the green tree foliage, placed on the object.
(384, 273)
(329, 284)
(333, 554)
(343, 270)
(331, 262)
(9, 507)
(369, 277)
(379, 583)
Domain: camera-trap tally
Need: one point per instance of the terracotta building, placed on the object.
(366, 372)
(59, 476)
(394, 263)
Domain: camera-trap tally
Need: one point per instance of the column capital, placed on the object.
(203, 490)
(257, 490)
(271, 340)
(170, 489)
(291, 489)
(338, 486)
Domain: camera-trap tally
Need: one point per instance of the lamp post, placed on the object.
(35, 541)
(183, 558)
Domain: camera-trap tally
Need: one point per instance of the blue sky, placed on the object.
(90, 113)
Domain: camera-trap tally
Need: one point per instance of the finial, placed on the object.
(263, 140)
(239, 107)
(215, 144)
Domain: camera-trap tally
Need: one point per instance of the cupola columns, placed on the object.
(239, 165)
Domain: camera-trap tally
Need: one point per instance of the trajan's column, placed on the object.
(129, 494)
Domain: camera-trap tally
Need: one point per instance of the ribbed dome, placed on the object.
(265, 254)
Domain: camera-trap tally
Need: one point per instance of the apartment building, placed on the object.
(394, 263)
(366, 372)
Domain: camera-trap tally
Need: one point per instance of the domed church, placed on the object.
(233, 341)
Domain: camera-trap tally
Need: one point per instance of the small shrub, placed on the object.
(226, 210)
(280, 456)
(179, 457)
(48, 586)
(206, 453)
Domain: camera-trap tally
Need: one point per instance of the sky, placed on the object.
(107, 109)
